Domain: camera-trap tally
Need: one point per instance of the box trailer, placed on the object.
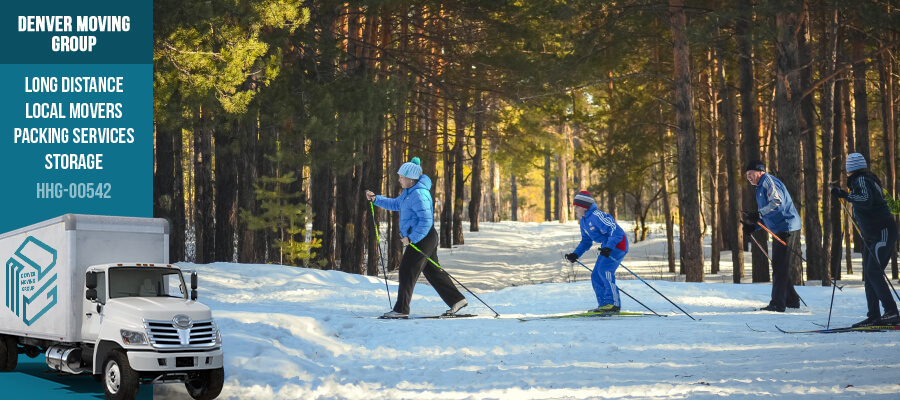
(95, 295)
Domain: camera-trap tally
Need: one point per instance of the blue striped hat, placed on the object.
(855, 161)
(411, 169)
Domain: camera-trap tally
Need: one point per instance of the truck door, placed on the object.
(90, 329)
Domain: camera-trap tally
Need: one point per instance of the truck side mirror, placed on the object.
(90, 281)
(194, 285)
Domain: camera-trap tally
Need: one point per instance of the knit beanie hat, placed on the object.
(411, 169)
(755, 165)
(855, 161)
(583, 199)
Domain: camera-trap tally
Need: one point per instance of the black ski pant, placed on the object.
(783, 293)
(875, 259)
(414, 263)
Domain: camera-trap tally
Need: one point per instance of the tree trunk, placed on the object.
(548, 189)
(249, 249)
(814, 255)
(165, 159)
(830, 220)
(447, 205)
(462, 110)
(750, 130)
(204, 223)
(348, 204)
(495, 183)
(692, 257)
(398, 157)
(667, 207)
(322, 183)
(732, 172)
(788, 93)
(664, 135)
(837, 165)
(860, 98)
(854, 243)
(713, 150)
(374, 179)
(513, 199)
(179, 218)
(226, 195)
(562, 202)
(556, 193)
(475, 202)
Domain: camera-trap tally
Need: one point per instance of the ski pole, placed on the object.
(866, 245)
(380, 257)
(620, 289)
(496, 314)
(789, 248)
(763, 250)
(830, 306)
(657, 291)
(760, 247)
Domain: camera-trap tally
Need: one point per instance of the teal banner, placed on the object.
(77, 124)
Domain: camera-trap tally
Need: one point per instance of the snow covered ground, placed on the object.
(293, 333)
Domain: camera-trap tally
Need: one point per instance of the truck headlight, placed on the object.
(218, 337)
(132, 337)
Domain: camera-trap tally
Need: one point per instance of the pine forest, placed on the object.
(273, 117)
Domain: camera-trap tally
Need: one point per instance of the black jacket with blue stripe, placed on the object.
(870, 211)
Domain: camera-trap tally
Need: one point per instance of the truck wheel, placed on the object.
(9, 353)
(120, 382)
(206, 384)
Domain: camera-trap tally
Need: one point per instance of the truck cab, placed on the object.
(148, 313)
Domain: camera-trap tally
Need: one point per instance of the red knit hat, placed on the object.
(583, 199)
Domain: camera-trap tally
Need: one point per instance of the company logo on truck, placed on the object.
(31, 281)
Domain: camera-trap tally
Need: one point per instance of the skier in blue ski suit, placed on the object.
(775, 209)
(417, 228)
(600, 227)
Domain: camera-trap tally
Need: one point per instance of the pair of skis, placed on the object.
(588, 314)
(873, 328)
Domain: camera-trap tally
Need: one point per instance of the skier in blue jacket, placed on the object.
(600, 227)
(776, 211)
(417, 227)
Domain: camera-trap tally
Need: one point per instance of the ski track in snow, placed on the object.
(294, 333)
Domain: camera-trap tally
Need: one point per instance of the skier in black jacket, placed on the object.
(879, 232)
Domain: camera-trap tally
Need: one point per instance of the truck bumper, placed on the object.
(174, 362)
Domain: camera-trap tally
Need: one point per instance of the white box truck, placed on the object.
(94, 293)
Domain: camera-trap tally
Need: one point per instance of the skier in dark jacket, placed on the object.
(776, 211)
(417, 227)
(878, 231)
(600, 227)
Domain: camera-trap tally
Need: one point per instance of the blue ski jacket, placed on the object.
(776, 208)
(415, 207)
(600, 227)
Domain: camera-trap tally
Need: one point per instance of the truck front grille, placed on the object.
(165, 335)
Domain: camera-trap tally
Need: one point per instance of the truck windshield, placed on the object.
(146, 282)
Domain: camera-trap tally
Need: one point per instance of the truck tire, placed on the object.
(206, 384)
(9, 353)
(120, 382)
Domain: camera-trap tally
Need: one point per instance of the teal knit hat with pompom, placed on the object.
(411, 169)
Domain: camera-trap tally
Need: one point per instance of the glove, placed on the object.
(748, 228)
(752, 217)
(838, 192)
(605, 251)
(571, 257)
